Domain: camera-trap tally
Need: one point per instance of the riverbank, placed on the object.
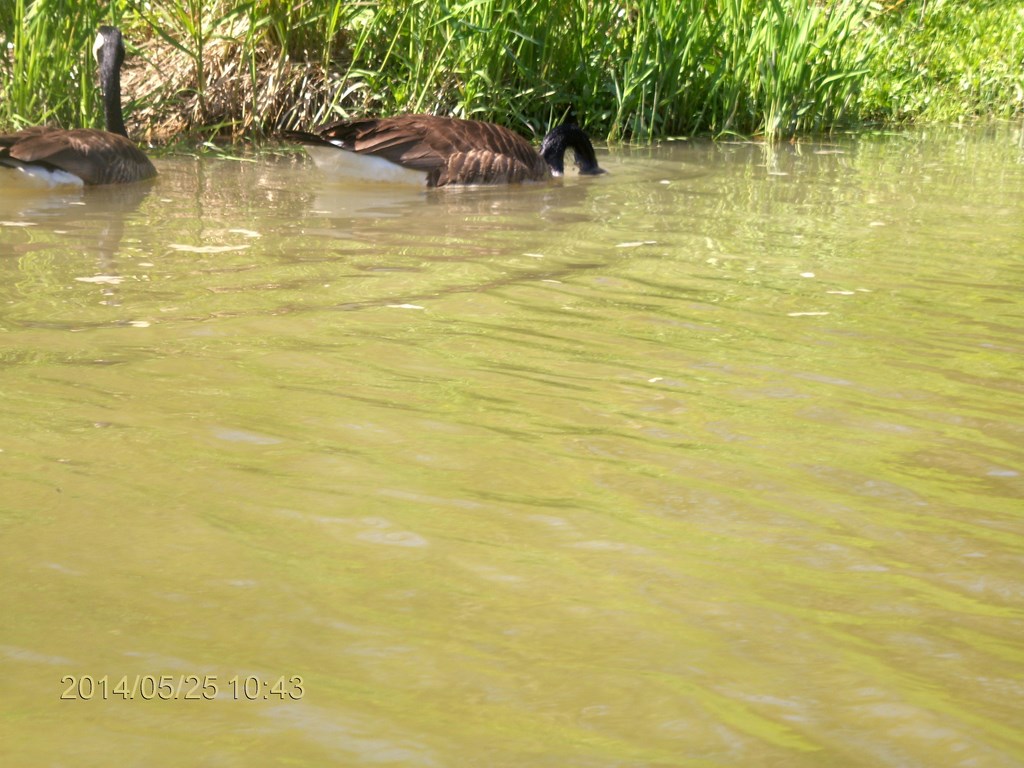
(636, 72)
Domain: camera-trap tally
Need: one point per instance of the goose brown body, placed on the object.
(91, 156)
(95, 157)
(454, 151)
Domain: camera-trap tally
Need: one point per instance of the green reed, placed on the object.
(793, 67)
(646, 69)
(47, 73)
(640, 69)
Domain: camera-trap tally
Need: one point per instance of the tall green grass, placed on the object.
(642, 69)
(628, 69)
(47, 75)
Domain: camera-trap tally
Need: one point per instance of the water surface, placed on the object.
(712, 461)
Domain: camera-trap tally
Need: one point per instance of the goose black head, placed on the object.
(108, 50)
(565, 136)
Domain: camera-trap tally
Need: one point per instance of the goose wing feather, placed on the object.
(96, 157)
(448, 150)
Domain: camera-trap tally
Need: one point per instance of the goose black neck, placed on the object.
(110, 57)
(565, 136)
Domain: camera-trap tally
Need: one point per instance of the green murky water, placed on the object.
(713, 461)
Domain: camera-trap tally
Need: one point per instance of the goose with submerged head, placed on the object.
(440, 151)
(55, 156)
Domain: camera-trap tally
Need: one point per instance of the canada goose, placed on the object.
(82, 155)
(444, 150)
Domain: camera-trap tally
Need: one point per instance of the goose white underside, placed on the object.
(342, 162)
(36, 177)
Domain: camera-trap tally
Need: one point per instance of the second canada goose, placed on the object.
(439, 151)
(83, 155)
